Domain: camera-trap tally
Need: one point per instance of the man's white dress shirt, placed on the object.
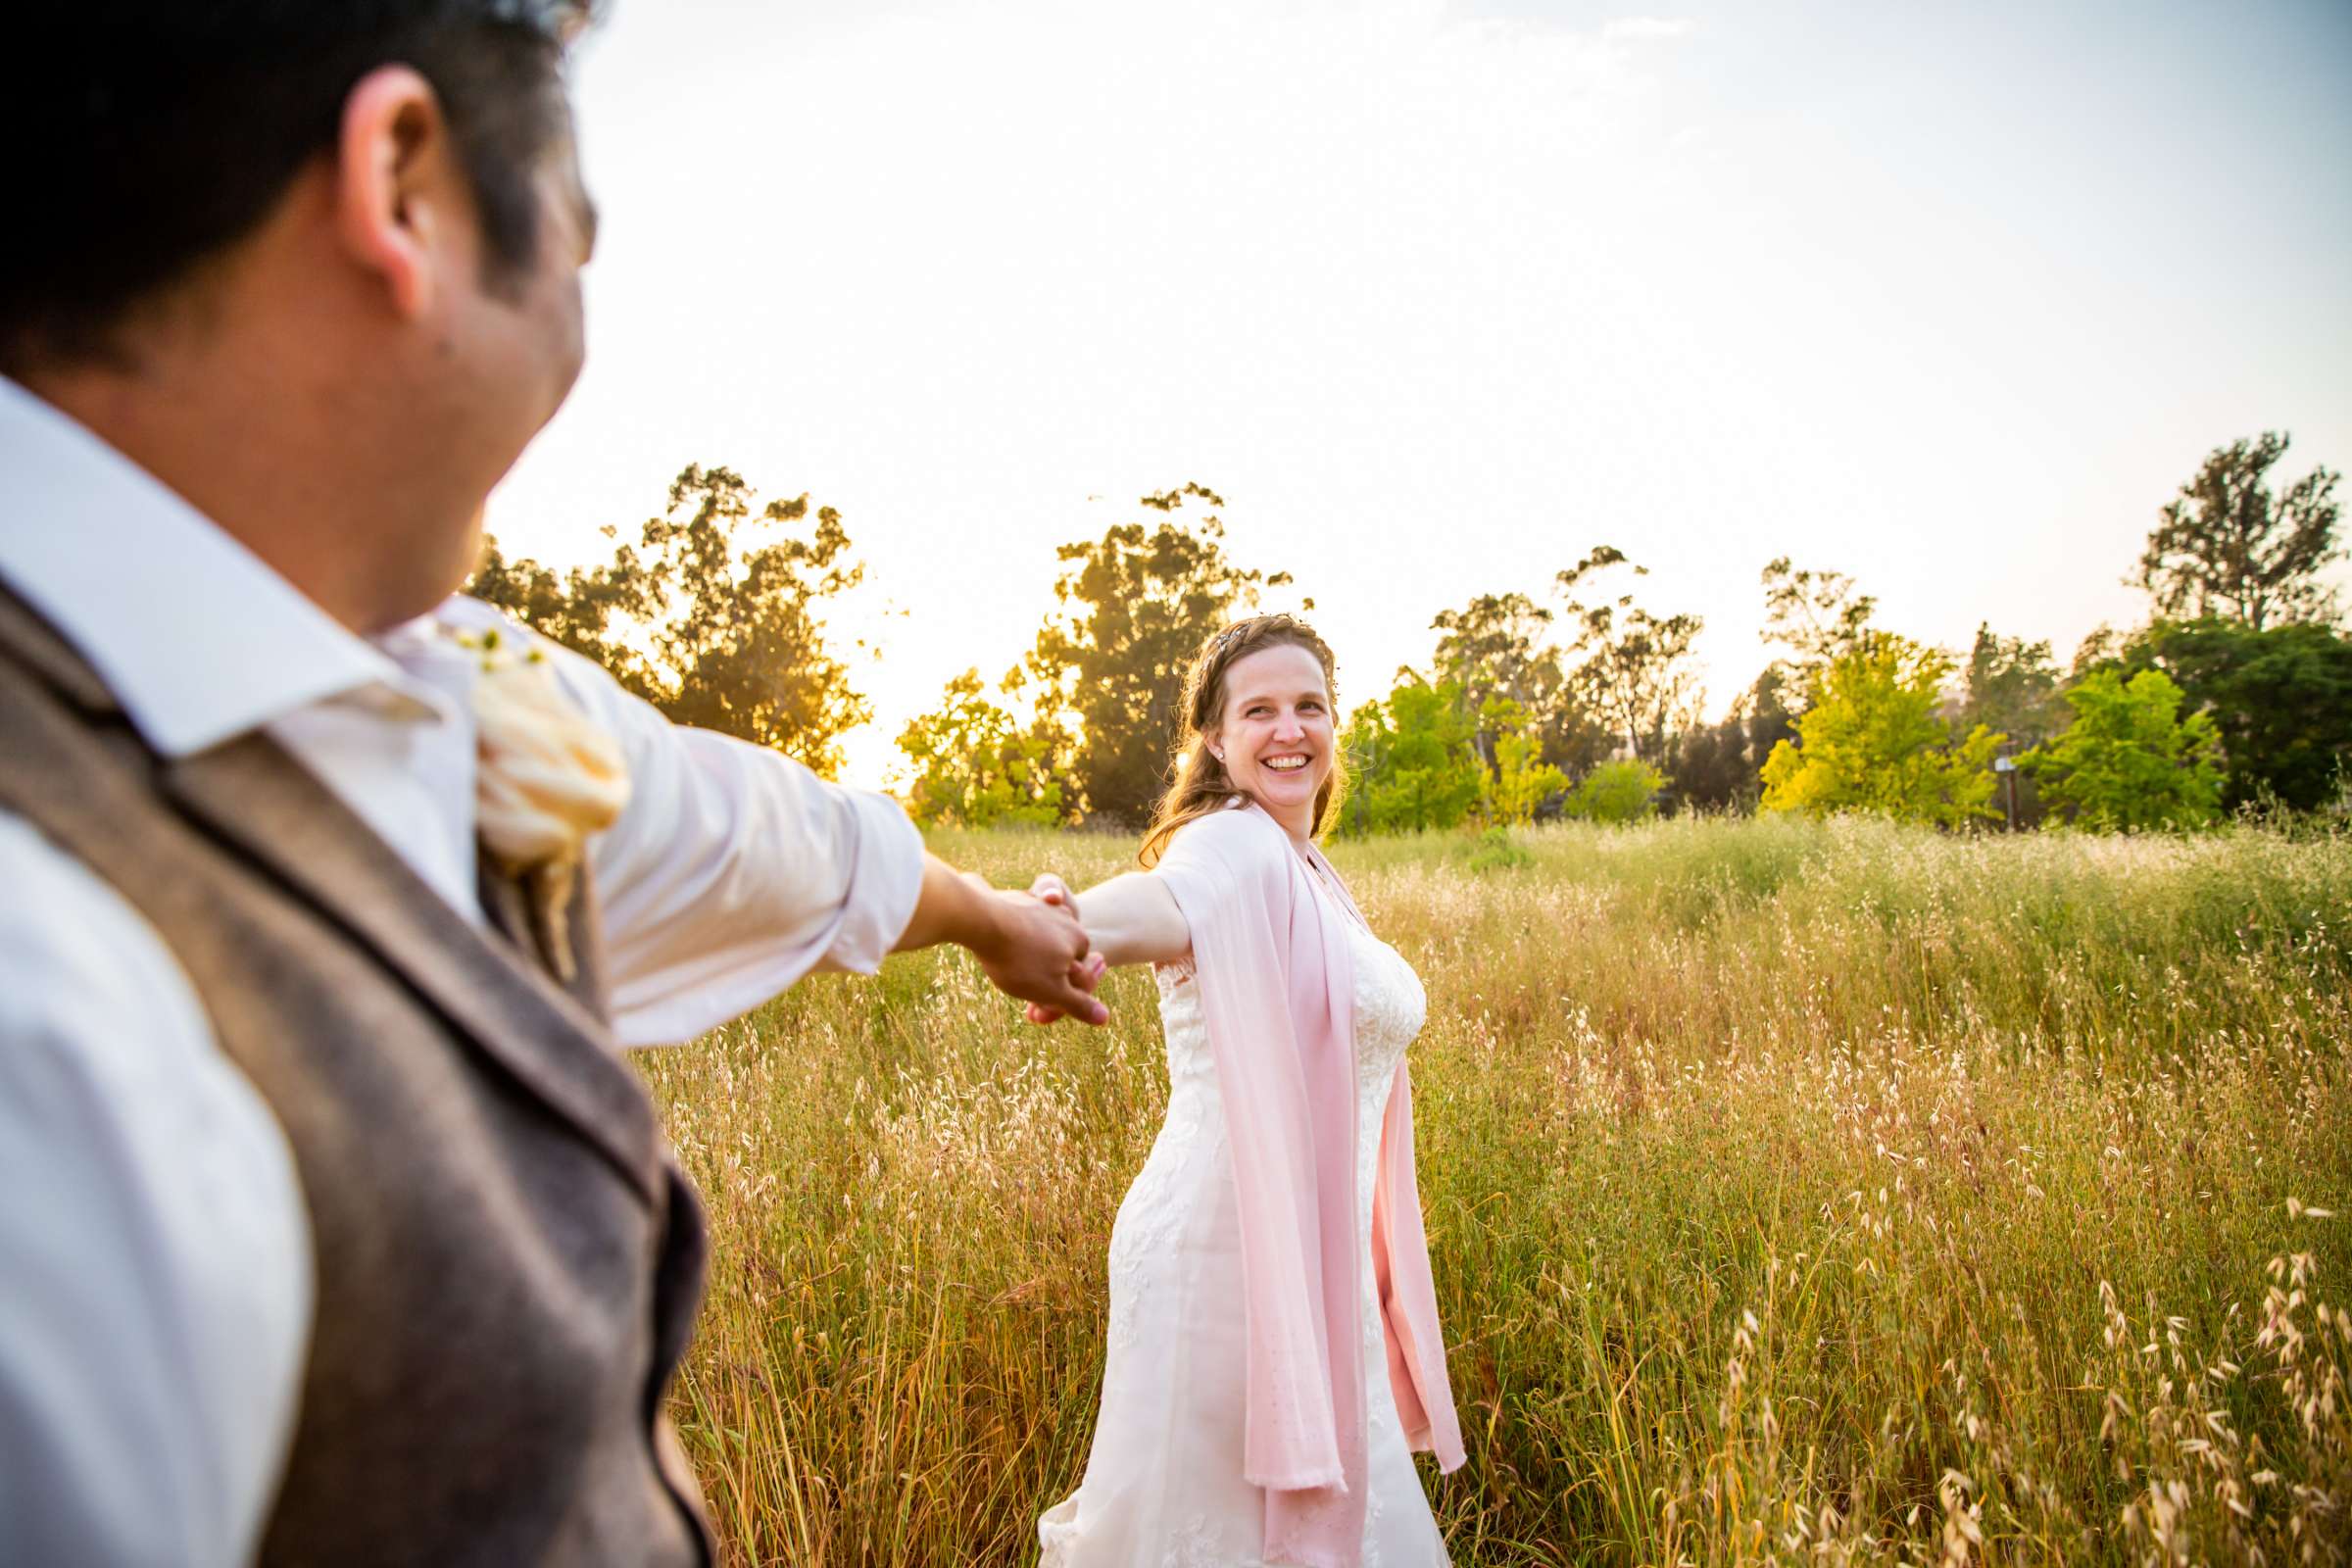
(155, 1266)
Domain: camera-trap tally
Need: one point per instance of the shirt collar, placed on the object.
(196, 638)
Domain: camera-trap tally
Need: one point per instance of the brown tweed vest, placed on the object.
(508, 1259)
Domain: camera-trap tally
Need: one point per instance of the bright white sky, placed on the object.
(1439, 295)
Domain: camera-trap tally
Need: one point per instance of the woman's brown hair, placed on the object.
(1202, 785)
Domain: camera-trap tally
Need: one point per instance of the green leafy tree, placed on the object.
(1137, 604)
(1498, 646)
(2101, 647)
(1634, 671)
(2227, 548)
(1520, 780)
(1719, 767)
(2011, 685)
(1712, 770)
(2128, 759)
(1410, 760)
(973, 764)
(576, 609)
(1874, 741)
(1818, 617)
(2281, 701)
(1621, 791)
(1770, 718)
(710, 615)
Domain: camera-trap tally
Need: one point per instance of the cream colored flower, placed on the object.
(546, 777)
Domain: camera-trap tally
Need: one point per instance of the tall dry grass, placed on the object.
(1796, 1193)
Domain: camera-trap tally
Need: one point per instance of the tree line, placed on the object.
(2234, 693)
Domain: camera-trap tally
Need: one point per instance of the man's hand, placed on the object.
(1037, 953)
(1050, 889)
(1029, 947)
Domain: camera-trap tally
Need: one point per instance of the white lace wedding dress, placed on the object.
(1163, 1485)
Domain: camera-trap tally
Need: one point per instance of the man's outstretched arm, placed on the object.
(1033, 951)
(734, 871)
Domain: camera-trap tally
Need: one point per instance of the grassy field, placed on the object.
(1795, 1192)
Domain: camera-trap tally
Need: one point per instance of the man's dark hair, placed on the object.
(144, 138)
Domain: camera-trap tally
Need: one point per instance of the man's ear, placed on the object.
(399, 194)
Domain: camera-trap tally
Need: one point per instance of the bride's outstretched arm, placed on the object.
(1129, 919)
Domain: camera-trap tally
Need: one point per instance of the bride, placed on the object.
(1274, 1354)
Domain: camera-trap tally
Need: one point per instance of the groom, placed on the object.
(333, 1228)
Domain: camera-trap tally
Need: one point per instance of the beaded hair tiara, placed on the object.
(1232, 634)
(1226, 639)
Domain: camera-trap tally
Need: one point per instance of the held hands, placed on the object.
(1029, 944)
(1036, 953)
(1053, 892)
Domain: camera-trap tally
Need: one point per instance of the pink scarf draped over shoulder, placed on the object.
(1277, 989)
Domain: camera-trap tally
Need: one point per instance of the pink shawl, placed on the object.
(1277, 992)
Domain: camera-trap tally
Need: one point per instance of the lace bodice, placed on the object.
(1389, 1009)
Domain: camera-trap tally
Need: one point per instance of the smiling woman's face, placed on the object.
(1275, 737)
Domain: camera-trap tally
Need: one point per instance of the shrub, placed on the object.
(1623, 791)
(2128, 759)
(1874, 741)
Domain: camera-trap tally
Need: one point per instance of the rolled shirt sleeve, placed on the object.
(733, 871)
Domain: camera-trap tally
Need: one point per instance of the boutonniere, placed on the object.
(545, 777)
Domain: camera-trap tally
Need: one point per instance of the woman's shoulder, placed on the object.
(1236, 835)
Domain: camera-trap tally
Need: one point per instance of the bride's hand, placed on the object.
(1129, 919)
(1086, 972)
(1051, 889)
